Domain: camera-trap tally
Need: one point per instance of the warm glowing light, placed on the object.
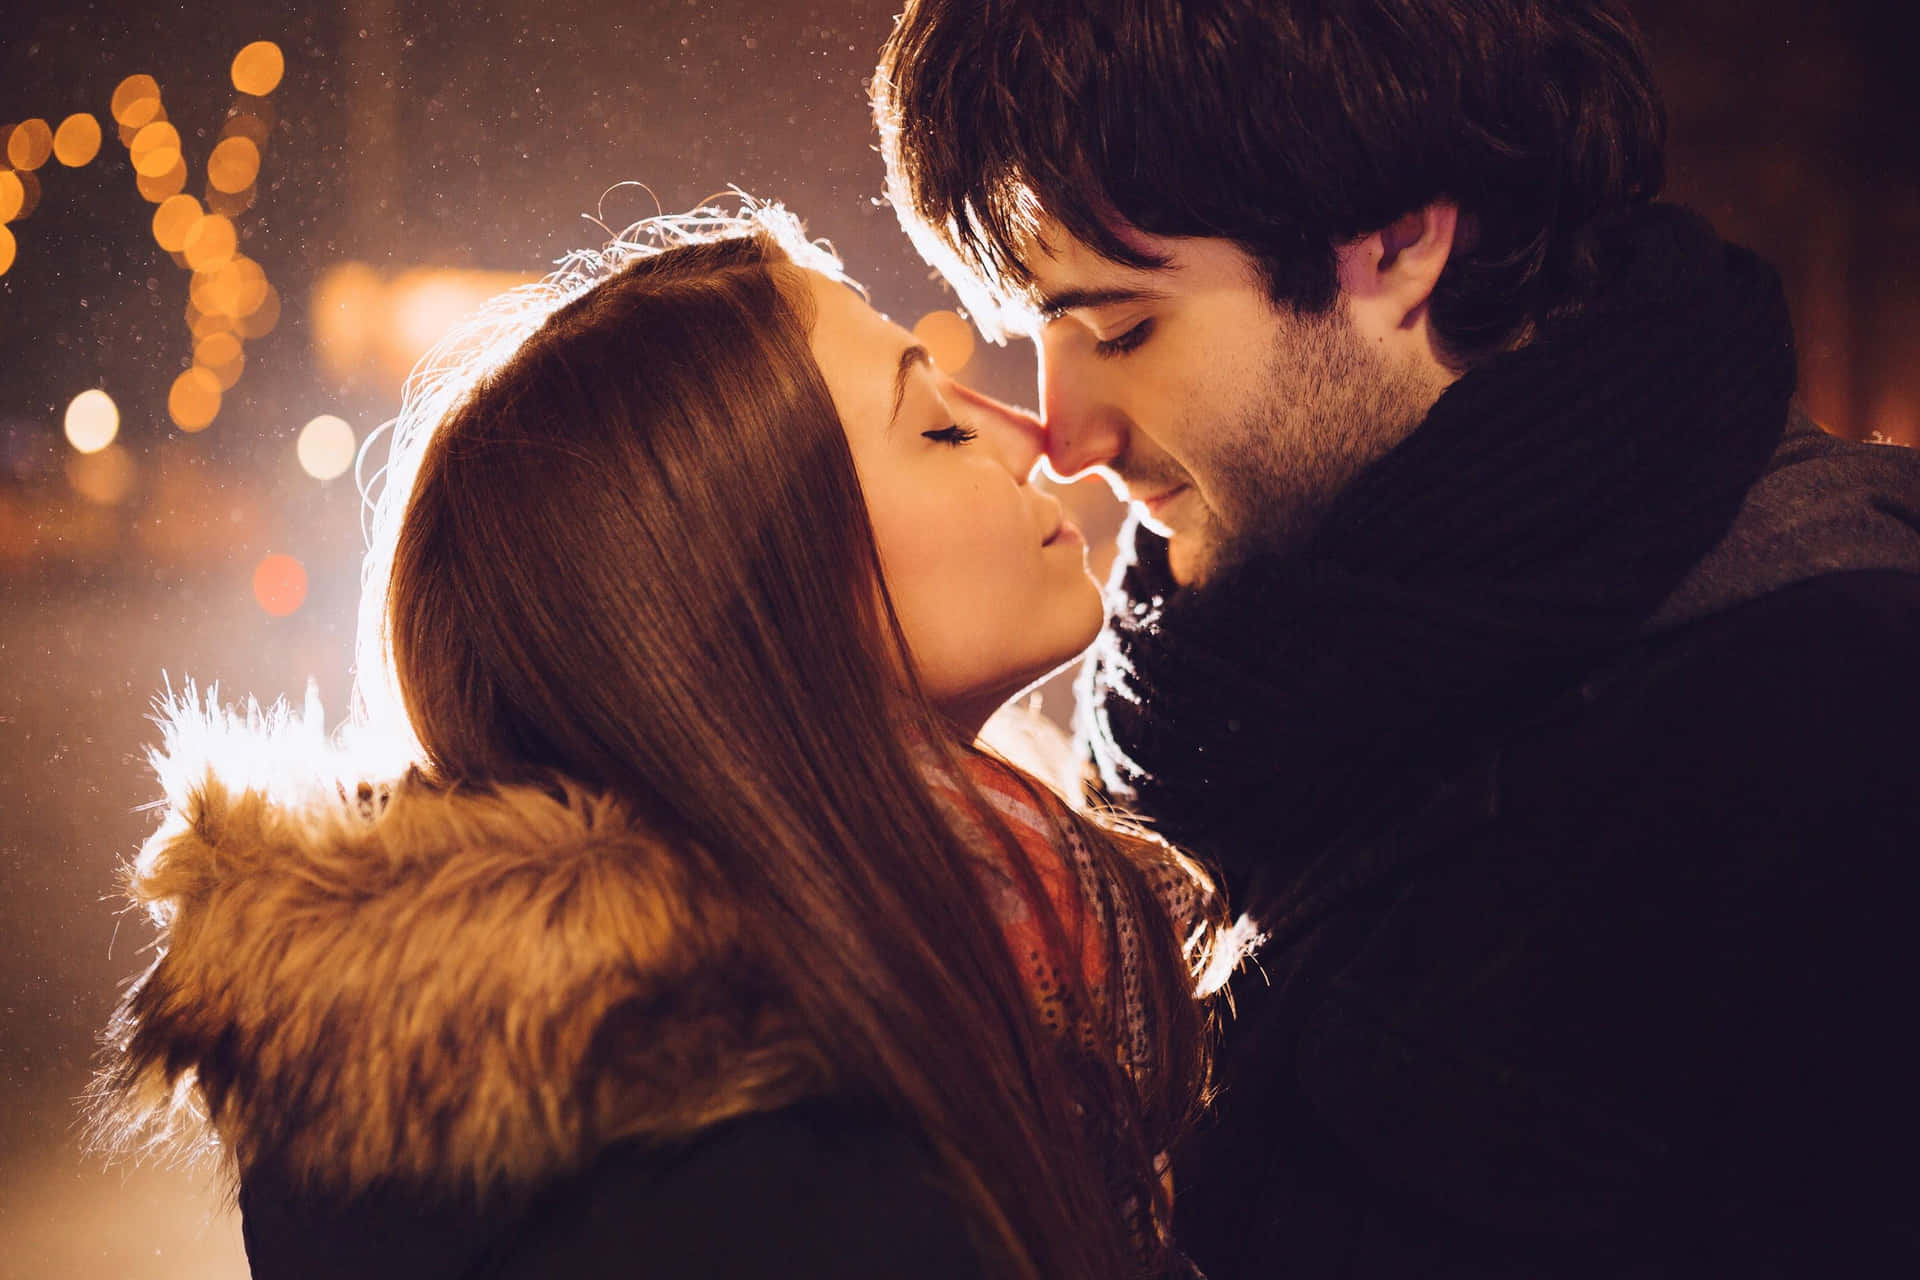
(280, 584)
(155, 149)
(947, 337)
(259, 322)
(13, 195)
(6, 248)
(93, 420)
(347, 301)
(236, 288)
(172, 220)
(209, 243)
(77, 140)
(30, 144)
(194, 400)
(143, 113)
(234, 164)
(221, 355)
(131, 94)
(29, 193)
(164, 187)
(105, 477)
(258, 67)
(326, 447)
(202, 323)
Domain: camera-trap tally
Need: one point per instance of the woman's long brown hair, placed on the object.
(636, 553)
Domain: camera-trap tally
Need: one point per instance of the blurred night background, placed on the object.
(230, 228)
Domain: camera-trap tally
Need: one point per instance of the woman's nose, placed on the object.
(1013, 434)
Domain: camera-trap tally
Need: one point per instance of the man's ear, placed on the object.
(1388, 277)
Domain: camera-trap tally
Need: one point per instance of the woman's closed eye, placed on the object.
(952, 434)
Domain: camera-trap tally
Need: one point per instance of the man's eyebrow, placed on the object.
(914, 355)
(1054, 305)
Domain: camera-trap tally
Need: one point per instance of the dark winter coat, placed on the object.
(1570, 768)
(1631, 1001)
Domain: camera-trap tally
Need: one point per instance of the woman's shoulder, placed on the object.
(823, 1188)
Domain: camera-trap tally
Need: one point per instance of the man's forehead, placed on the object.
(1068, 274)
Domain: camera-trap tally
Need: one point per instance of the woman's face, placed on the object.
(989, 580)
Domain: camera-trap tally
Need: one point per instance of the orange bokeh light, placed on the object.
(947, 337)
(77, 140)
(194, 400)
(130, 94)
(155, 149)
(258, 67)
(280, 584)
(30, 144)
(210, 243)
(172, 220)
(234, 164)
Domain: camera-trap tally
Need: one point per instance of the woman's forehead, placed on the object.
(858, 351)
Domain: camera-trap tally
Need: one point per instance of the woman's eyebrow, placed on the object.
(913, 355)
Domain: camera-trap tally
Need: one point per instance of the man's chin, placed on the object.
(1188, 558)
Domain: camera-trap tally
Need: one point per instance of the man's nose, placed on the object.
(1081, 431)
(1014, 435)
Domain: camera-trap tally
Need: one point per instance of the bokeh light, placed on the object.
(221, 355)
(202, 323)
(77, 140)
(947, 337)
(6, 248)
(326, 447)
(280, 584)
(29, 193)
(210, 243)
(258, 67)
(194, 400)
(166, 186)
(13, 195)
(131, 98)
(173, 219)
(30, 144)
(259, 322)
(105, 477)
(234, 164)
(155, 149)
(92, 421)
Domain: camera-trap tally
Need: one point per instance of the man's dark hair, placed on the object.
(1285, 126)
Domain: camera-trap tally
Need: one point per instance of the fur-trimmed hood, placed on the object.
(468, 990)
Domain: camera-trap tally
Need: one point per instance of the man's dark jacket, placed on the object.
(1601, 965)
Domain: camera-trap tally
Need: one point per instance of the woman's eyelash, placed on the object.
(955, 434)
(1120, 344)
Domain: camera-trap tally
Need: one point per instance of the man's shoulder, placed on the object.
(1823, 669)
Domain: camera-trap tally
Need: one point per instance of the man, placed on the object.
(1536, 673)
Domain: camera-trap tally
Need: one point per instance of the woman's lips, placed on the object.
(1067, 532)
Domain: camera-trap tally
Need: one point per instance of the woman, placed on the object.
(697, 941)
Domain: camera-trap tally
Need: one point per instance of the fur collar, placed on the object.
(469, 990)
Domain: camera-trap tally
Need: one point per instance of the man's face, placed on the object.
(1231, 421)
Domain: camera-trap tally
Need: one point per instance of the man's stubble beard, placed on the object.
(1328, 406)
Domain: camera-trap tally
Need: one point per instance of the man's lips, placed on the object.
(1158, 502)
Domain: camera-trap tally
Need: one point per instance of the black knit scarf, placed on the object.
(1550, 501)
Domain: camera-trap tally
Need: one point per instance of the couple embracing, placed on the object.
(1493, 634)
